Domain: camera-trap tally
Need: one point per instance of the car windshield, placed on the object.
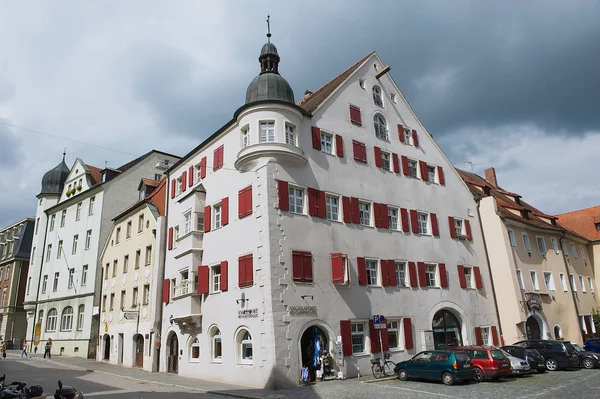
(577, 348)
(498, 354)
(570, 348)
(532, 352)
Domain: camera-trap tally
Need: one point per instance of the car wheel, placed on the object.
(402, 375)
(478, 374)
(551, 364)
(448, 379)
(587, 363)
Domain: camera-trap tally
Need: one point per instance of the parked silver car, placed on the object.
(519, 366)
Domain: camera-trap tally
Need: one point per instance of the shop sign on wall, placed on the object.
(306, 311)
(247, 313)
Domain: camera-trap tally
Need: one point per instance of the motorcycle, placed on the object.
(20, 390)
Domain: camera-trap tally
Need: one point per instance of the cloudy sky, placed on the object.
(515, 85)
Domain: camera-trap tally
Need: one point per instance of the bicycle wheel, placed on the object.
(377, 370)
(389, 367)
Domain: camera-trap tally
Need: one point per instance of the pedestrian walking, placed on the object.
(48, 349)
(24, 348)
(35, 349)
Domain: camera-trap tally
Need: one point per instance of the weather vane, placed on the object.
(269, 28)
(64, 154)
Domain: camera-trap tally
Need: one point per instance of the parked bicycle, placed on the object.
(381, 370)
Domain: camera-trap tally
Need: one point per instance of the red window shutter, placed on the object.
(405, 165)
(384, 339)
(385, 280)
(242, 271)
(170, 238)
(396, 161)
(225, 211)
(218, 160)
(412, 271)
(337, 268)
(360, 151)
(250, 270)
(173, 182)
(435, 229)
(392, 273)
(377, 214)
(385, 221)
(374, 338)
(468, 228)
(347, 209)
(297, 267)
(441, 175)
(224, 275)
(422, 277)
(424, 172)
(452, 227)
(355, 211)
(284, 195)
(321, 204)
(307, 267)
(184, 180)
(245, 202)
(443, 275)
(361, 265)
(207, 220)
(478, 280)
(339, 145)
(377, 157)
(316, 138)
(312, 201)
(248, 200)
(355, 115)
(215, 160)
(461, 276)
(414, 221)
(203, 280)
(191, 176)
(478, 337)
(408, 334)
(346, 334)
(166, 290)
(415, 138)
(203, 168)
(404, 217)
(495, 335)
(401, 133)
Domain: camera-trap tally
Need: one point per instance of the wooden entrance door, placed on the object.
(139, 351)
(173, 365)
(533, 328)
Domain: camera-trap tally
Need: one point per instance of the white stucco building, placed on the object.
(296, 224)
(74, 215)
(132, 259)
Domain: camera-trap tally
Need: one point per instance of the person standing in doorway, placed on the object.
(24, 348)
(48, 349)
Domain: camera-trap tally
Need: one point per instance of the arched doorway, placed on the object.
(533, 328)
(106, 341)
(557, 332)
(139, 350)
(446, 330)
(314, 343)
(172, 353)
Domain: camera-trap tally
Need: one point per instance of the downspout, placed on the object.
(477, 198)
(569, 277)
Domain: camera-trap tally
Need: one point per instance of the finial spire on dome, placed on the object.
(64, 154)
(268, 29)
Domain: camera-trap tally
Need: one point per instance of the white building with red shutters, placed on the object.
(294, 224)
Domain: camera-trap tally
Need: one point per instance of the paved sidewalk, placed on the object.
(327, 389)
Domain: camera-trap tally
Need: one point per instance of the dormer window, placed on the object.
(597, 226)
(377, 99)
(267, 132)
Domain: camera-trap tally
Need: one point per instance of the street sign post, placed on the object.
(130, 315)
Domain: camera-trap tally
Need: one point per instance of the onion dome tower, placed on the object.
(54, 180)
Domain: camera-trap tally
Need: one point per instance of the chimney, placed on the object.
(307, 94)
(490, 176)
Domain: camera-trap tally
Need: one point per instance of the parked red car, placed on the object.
(488, 362)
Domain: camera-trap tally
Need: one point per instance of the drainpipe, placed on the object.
(569, 277)
(477, 198)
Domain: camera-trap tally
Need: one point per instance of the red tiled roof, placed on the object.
(159, 196)
(150, 182)
(95, 173)
(582, 222)
(311, 103)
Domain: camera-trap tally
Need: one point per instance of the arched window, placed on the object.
(80, 315)
(446, 330)
(194, 350)
(244, 347)
(66, 321)
(41, 316)
(380, 126)
(51, 320)
(377, 99)
(217, 346)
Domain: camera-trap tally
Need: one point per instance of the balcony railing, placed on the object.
(185, 288)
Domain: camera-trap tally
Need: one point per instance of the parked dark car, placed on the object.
(444, 366)
(557, 354)
(587, 359)
(532, 356)
(592, 345)
(488, 362)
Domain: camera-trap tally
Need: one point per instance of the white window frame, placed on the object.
(176, 235)
(572, 282)
(75, 243)
(549, 281)
(84, 274)
(216, 218)
(332, 206)
(432, 177)
(432, 277)
(357, 329)
(52, 221)
(393, 218)
(215, 278)
(48, 252)
(400, 269)
(45, 284)
(582, 250)
(542, 249)
(526, 242)
(563, 282)
(534, 280)
(327, 142)
(364, 211)
(128, 229)
(554, 244)
(59, 250)
(386, 160)
(520, 279)
(413, 169)
(216, 338)
(242, 342)
(187, 222)
(563, 245)
(140, 223)
(408, 137)
(91, 208)
(296, 195)
(71, 281)
(380, 127)
(512, 238)
(80, 317)
(88, 239)
(194, 343)
(468, 273)
(290, 135)
(66, 319)
(377, 93)
(393, 328)
(146, 294)
(574, 250)
(148, 255)
(486, 335)
(268, 128)
(372, 266)
(460, 227)
(63, 218)
(245, 139)
(582, 283)
(78, 211)
(51, 320)
(423, 217)
(591, 284)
